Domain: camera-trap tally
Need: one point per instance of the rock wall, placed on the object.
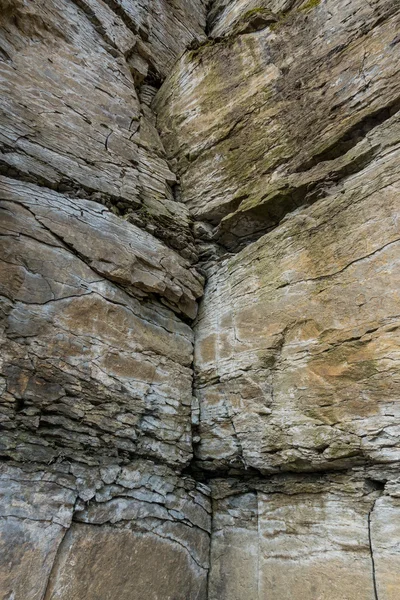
(285, 127)
(243, 154)
(72, 531)
(97, 294)
(316, 536)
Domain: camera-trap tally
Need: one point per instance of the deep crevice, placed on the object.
(352, 136)
(97, 24)
(371, 551)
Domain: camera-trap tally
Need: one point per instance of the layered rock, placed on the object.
(96, 370)
(282, 141)
(285, 127)
(296, 341)
(297, 338)
(92, 368)
(253, 117)
(77, 82)
(333, 536)
(97, 297)
(70, 531)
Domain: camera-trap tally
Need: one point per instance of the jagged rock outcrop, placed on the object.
(257, 120)
(247, 446)
(92, 369)
(285, 126)
(77, 81)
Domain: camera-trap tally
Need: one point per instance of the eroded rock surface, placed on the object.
(297, 338)
(97, 293)
(104, 531)
(249, 449)
(309, 537)
(91, 369)
(246, 112)
(77, 80)
(285, 127)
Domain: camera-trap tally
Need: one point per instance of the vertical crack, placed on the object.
(371, 551)
(258, 546)
(60, 547)
(46, 592)
(210, 549)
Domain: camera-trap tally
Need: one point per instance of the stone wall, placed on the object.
(330, 536)
(98, 291)
(200, 234)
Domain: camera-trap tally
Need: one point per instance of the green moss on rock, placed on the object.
(310, 5)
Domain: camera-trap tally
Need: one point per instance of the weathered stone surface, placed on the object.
(137, 566)
(319, 545)
(90, 371)
(296, 348)
(158, 30)
(244, 113)
(252, 218)
(154, 541)
(310, 537)
(385, 536)
(113, 248)
(234, 570)
(282, 134)
(35, 512)
(244, 16)
(96, 354)
(71, 118)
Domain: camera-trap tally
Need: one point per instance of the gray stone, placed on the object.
(149, 147)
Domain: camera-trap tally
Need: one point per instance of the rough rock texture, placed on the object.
(91, 369)
(74, 102)
(249, 116)
(97, 348)
(327, 537)
(296, 342)
(127, 523)
(297, 339)
(286, 131)
(249, 449)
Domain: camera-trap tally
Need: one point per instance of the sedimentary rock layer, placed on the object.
(330, 537)
(68, 531)
(267, 163)
(297, 338)
(285, 127)
(77, 80)
(94, 365)
(97, 294)
(290, 128)
(249, 113)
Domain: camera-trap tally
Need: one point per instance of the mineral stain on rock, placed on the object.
(199, 290)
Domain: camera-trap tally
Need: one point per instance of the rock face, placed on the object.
(243, 154)
(312, 386)
(77, 81)
(328, 537)
(285, 126)
(93, 369)
(97, 295)
(251, 148)
(128, 522)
